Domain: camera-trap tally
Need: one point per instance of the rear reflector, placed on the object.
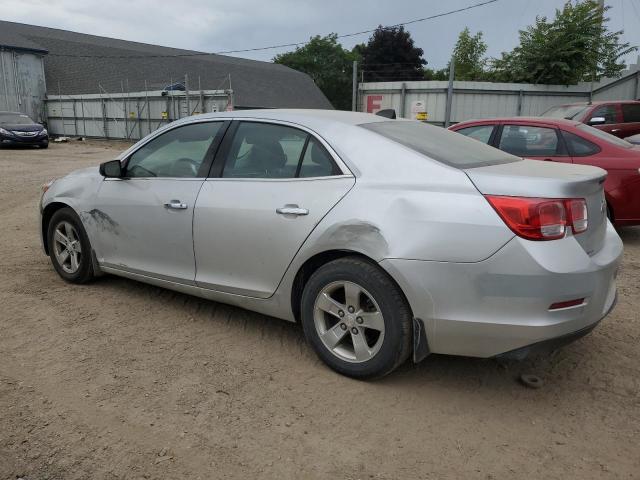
(541, 218)
(567, 304)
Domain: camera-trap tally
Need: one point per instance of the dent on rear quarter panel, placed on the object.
(354, 234)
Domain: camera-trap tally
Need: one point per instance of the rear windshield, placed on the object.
(570, 112)
(445, 146)
(607, 137)
(14, 119)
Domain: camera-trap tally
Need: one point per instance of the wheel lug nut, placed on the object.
(343, 326)
(340, 313)
(354, 330)
(351, 309)
(359, 320)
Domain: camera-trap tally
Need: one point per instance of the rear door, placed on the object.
(536, 142)
(271, 184)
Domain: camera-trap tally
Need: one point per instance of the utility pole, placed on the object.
(447, 112)
(595, 63)
(354, 91)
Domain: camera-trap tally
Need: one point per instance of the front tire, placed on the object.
(356, 318)
(69, 247)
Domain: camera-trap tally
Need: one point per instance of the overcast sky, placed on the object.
(216, 25)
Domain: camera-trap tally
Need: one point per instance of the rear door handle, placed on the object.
(292, 210)
(176, 205)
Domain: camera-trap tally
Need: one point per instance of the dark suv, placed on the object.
(619, 118)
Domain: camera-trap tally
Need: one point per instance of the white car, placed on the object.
(385, 238)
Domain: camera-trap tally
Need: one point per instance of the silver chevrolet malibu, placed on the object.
(386, 239)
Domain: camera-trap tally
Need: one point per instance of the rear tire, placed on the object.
(69, 247)
(356, 318)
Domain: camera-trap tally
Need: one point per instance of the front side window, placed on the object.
(529, 141)
(265, 150)
(631, 112)
(180, 152)
(608, 112)
(478, 132)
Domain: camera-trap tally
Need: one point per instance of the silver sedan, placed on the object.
(386, 239)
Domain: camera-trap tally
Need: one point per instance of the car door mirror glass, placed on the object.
(111, 169)
(597, 120)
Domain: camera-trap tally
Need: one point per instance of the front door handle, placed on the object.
(176, 205)
(292, 210)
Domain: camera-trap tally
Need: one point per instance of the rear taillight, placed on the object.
(577, 213)
(541, 218)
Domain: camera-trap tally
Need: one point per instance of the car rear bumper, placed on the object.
(501, 304)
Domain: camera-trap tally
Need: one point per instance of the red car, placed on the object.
(558, 140)
(619, 118)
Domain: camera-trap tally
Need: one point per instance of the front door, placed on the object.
(534, 142)
(143, 221)
(274, 185)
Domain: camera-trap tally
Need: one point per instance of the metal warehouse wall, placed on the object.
(472, 100)
(127, 115)
(22, 83)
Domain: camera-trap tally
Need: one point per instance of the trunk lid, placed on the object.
(533, 178)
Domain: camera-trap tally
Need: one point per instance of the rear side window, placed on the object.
(630, 112)
(265, 150)
(578, 146)
(481, 133)
(439, 143)
(530, 141)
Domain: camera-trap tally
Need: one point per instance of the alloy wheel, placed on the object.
(67, 247)
(348, 321)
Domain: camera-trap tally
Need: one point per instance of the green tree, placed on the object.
(431, 74)
(576, 46)
(391, 55)
(469, 57)
(328, 64)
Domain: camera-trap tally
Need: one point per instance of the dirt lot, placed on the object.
(117, 379)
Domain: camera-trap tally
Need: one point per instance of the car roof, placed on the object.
(533, 120)
(301, 116)
(595, 102)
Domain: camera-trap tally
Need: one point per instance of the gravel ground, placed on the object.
(117, 379)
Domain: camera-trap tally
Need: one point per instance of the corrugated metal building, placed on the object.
(22, 77)
(75, 63)
(474, 100)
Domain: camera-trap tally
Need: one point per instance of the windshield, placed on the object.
(443, 145)
(570, 112)
(15, 119)
(607, 137)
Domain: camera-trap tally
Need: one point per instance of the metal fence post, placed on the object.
(403, 98)
(447, 113)
(354, 86)
(520, 100)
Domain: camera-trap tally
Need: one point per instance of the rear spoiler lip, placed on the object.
(537, 179)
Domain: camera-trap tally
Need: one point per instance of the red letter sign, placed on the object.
(373, 103)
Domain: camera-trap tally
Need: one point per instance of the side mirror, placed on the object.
(597, 121)
(111, 169)
(387, 113)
